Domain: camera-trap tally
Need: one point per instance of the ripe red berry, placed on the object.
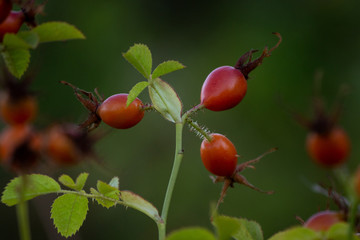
(5, 8)
(19, 110)
(223, 89)
(67, 144)
(10, 138)
(322, 221)
(219, 156)
(329, 149)
(59, 147)
(12, 23)
(18, 149)
(113, 111)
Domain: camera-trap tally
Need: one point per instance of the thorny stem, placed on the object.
(177, 162)
(23, 214)
(198, 129)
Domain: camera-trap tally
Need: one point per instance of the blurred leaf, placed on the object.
(57, 31)
(35, 185)
(339, 231)
(165, 100)
(139, 56)
(227, 227)
(24, 40)
(114, 182)
(69, 212)
(133, 200)
(249, 230)
(135, 91)
(17, 60)
(194, 233)
(166, 67)
(297, 233)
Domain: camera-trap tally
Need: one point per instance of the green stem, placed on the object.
(352, 218)
(23, 213)
(172, 180)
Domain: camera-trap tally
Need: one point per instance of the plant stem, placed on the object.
(172, 180)
(22, 213)
(352, 218)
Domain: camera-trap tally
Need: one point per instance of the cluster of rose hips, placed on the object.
(22, 145)
(12, 20)
(328, 145)
(224, 88)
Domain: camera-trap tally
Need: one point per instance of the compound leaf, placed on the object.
(81, 180)
(67, 181)
(57, 31)
(24, 40)
(135, 91)
(140, 57)
(194, 233)
(226, 227)
(166, 67)
(35, 185)
(107, 191)
(340, 231)
(296, 233)
(69, 212)
(17, 60)
(249, 230)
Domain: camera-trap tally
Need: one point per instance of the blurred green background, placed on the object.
(317, 34)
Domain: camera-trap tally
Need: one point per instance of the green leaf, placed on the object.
(165, 100)
(139, 56)
(249, 230)
(166, 67)
(114, 182)
(107, 191)
(135, 91)
(67, 181)
(133, 200)
(194, 233)
(35, 185)
(57, 31)
(31, 38)
(69, 212)
(81, 180)
(227, 227)
(339, 231)
(297, 233)
(24, 40)
(17, 60)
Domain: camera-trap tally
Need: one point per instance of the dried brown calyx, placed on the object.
(245, 63)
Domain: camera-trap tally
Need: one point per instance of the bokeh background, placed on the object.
(317, 35)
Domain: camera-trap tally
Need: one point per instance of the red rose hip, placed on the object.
(5, 8)
(223, 89)
(113, 111)
(12, 23)
(330, 149)
(219, 156)
(322, 221)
